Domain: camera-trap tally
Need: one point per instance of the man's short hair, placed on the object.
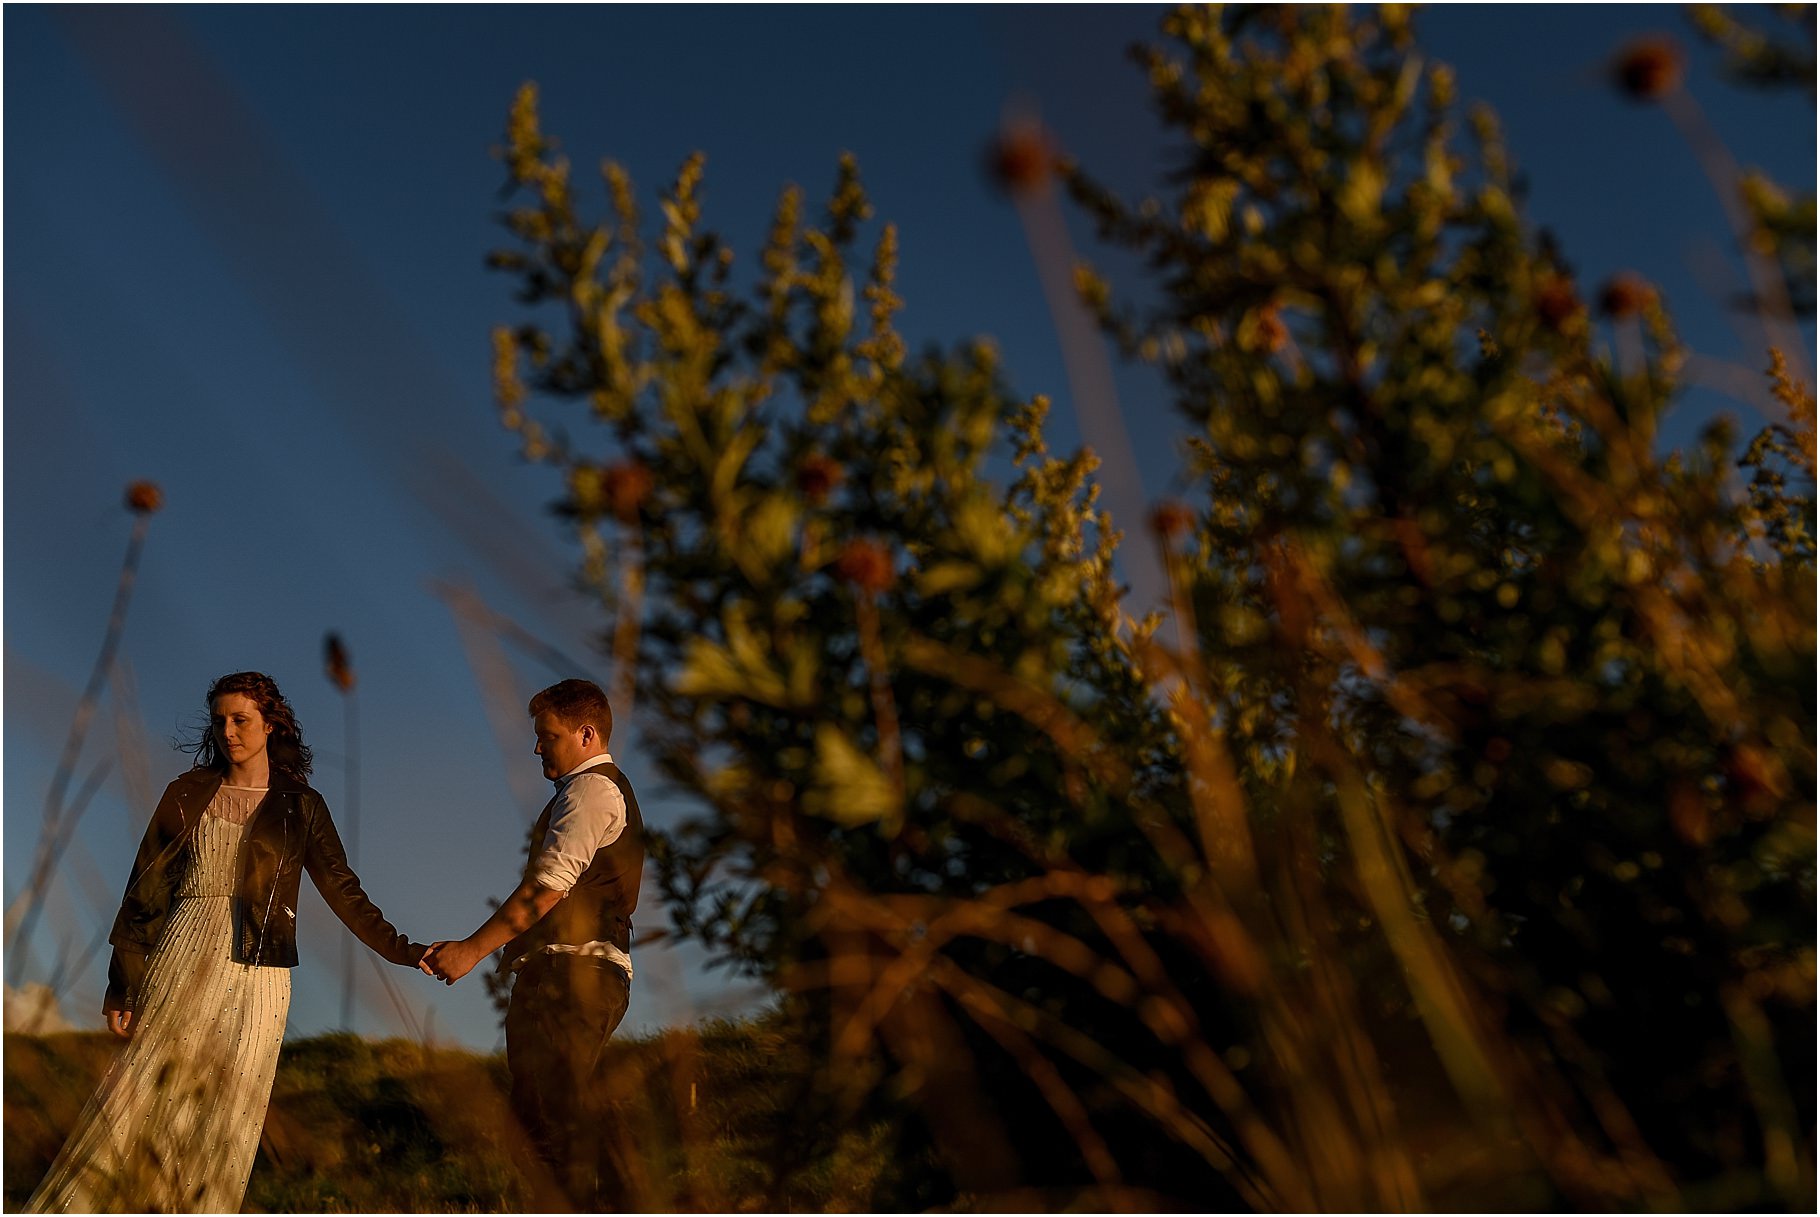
(577, 703)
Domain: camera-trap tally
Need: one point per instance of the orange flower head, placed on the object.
(1648, 69)
(818, 477)
(1556, 302)
(335, 660)
(1626, 295)
(866, 565)
(1022, 159)
(1171, 520)
(625, 487)
(143, 498)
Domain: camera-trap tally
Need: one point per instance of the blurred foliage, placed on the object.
(1446, 840)
(1782, 55)
(1781, 223)
(701, 1121)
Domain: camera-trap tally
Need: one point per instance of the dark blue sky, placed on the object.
(244, 259)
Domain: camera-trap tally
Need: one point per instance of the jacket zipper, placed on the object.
(272, 896)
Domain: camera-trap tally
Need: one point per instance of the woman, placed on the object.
(200, 980)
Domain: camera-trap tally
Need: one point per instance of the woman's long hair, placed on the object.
(284, 747)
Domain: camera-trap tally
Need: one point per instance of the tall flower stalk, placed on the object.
(340, 670)
(143, 499)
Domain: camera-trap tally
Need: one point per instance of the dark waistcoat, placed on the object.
(599, 907)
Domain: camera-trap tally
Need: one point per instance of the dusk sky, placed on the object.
(244, 259)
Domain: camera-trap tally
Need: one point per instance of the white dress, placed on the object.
(175, 1123)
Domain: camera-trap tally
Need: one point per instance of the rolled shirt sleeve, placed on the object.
(590, 813)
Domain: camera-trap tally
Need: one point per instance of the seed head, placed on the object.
(335, 660)
(1556, 302)
(1171, 520)
(818, 476)
(625, 487)
(1022, 159)
(866, 565)
(1626, 295)
(1649, 69)
(144, 498)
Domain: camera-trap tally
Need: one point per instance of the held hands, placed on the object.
(450, 961)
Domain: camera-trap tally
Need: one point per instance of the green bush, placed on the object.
(1448, 840)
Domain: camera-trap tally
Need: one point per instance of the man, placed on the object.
(567, 934)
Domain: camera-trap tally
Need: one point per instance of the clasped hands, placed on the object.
(450, 961)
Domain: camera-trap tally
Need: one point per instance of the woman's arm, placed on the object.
(124, 972)
(145, 901)
(327, 863)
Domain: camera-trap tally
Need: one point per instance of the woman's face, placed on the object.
(240, 729)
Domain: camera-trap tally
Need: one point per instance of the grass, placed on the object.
(700, 1120)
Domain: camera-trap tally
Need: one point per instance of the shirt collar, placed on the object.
(605, 758)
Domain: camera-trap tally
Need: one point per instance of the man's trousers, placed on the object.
(564, 1007)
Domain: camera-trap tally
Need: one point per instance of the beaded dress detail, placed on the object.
(175, 1123)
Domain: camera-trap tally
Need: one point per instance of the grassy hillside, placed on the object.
(703, 1119)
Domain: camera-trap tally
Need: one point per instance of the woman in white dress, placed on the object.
(200, 983)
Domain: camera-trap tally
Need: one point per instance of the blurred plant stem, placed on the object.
(59, 821)
(1768, 291)
(338, 665)
(1025, 163)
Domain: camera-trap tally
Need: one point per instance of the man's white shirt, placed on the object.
(587, 814)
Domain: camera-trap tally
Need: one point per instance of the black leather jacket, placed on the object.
(291, 832)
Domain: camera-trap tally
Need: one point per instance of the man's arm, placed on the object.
(524, 908)
(589, 813)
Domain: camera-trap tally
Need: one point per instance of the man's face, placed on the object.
(561, 746)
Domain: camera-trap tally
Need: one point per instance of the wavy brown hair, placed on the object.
(284, 748)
